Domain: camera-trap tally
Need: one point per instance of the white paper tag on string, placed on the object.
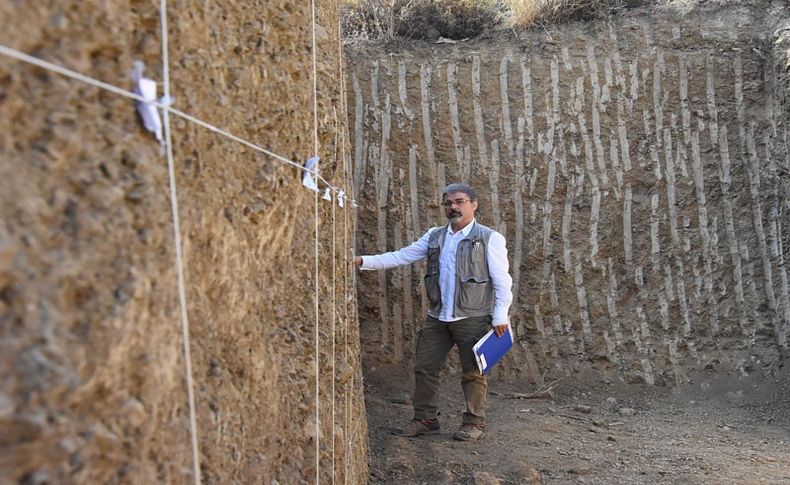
(307, 177)
(341, 199)
(147, 89)
(327, 194)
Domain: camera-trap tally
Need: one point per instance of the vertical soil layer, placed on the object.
(92, 369)
(637, 167)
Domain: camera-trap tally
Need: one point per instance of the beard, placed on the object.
(453, 216)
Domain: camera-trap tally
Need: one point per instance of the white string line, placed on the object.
(315, 86)
(49, 66)
(354, 433)
(182, 299)
(317, 335)
(345, 235)
(317, 356)
(348, 265)
(334, 308)
(334, 316)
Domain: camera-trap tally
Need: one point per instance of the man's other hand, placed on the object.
(357, 261)
(500, 329)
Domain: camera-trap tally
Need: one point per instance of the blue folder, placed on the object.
(490, 349)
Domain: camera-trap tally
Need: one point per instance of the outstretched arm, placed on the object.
(498, 270)
(415, 251)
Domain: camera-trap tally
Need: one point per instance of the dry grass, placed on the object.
(421, 19)
(524, 13)
(684, 7)
(459, 19)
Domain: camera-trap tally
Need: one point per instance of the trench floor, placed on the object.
(715, 430)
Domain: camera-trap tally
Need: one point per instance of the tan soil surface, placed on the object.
(712, 432)
(92, 374)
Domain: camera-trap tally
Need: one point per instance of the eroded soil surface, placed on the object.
(718, 430)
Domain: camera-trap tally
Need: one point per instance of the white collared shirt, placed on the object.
(498, 266)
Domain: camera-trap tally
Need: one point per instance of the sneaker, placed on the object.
(470, 432)
(418, 427)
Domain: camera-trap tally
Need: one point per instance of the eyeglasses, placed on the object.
(458, 202)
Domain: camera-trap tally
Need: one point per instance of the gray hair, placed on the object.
(466, 189)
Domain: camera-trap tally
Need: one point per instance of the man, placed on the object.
(468, 286)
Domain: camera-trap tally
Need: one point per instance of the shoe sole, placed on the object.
(425, 433)
(479, 438)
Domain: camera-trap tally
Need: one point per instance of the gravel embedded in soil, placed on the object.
(714, 431)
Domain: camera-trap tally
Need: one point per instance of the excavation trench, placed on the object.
(637, 167)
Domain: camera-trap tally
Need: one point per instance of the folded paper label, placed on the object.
(147, 89)
(307, 176)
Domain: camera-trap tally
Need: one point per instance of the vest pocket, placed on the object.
(472, 294)
(432, 277)
(432, 289)
(433, 261)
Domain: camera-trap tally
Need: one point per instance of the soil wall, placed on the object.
(637, 167)
(92, 370)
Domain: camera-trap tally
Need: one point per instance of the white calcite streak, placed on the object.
(782, 324)
(526, 83)
(628, 246)
(614, 156)
(382, 182)
(397, 311)
(416, 225)
(518, 205)
(452, 99)
(753, 171)
(685, 110)
(581, 293)
(710, 91)
(427, 132)
(705, 237)
(567, 219)
(547, 204)
(403, 92)
(359, 146)
(725, 179)
(507, 127)
(482, 144)
(493, 179)
(611, 304)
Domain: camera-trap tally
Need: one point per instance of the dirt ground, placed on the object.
(717, 430)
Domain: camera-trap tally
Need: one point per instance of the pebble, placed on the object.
(485, 478)
(6, 406)
(447, 477)
(627, 411)
(134, 411)
(583, 409)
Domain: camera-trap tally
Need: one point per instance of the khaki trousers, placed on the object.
(434, 342)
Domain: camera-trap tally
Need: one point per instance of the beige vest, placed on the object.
(474, 292)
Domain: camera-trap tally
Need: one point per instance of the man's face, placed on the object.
(458, 208)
